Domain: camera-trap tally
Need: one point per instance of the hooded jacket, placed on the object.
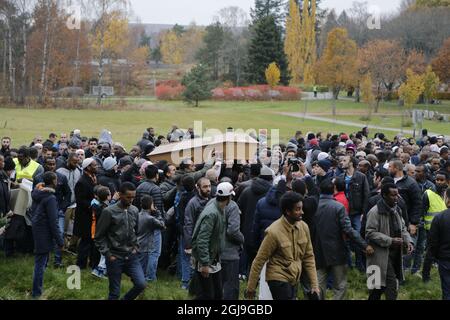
(247, 203)
(267, 211)
(411, 193)
(234, 239)
(45, 221)
(110, 179)
(193, 210)
(63, 193)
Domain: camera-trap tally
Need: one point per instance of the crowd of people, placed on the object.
(297, 216)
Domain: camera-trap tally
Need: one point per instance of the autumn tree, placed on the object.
(337, 67)
(441, 64)
(367, 94)
(171, 48)
(197, 85)
(273, 75)
(411, 90)
(430, 83)
(308, 40)
(292, 42)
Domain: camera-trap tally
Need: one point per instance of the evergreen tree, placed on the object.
(211, 55)
(266, 46)
(265, 8)
(197, 85)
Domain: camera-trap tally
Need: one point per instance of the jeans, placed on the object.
(210, 288)
(143, 260)
(58, 252)
(230, 279)
(359, 261)
(132, 268)
(185, 264)
(391, 289)
(40, 263)
(282, 290)
(154, 255)
(444, 272)
(419, 249)
(339, 274)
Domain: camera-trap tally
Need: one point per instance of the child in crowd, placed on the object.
(149, 220)
(101, 201)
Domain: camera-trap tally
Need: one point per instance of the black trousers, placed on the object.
(282, 290)
(211, 288)
(230, 277)
(87, 250)
(391, 289)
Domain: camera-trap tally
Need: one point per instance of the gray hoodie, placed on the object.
(234, 239)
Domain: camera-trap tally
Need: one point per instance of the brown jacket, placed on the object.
(288, 250)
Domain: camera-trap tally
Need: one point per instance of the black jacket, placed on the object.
(439, 236)
(63, 193)
(330, 223)
(84, 193)
(45, 221)
(358, 194)
(116, 231)
(247, 203)
(109, 179)
(411, 193)
(5, 194)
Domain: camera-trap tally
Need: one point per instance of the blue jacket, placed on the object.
(267, 211)
(45, 221)
(63, 193)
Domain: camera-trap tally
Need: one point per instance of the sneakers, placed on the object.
(99, 273)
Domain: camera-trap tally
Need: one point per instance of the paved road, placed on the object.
(352, 124)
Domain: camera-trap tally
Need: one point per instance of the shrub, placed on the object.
(164, 92)
(443, 96)
(256, 93)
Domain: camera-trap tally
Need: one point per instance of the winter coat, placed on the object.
(410, 192)
(5, 194)
(84, 193)
(330, 224)
(109, 179)
(63, 193)
(193, 210)
(267, 211)
(247, 203)
(234, 239)
(150, 188)
(116, 232)
(45, 221)
(378, 236)
(72, 177)
(358, 195)
(288, 251)
(169, 191)
(440, 236)
(208, 238)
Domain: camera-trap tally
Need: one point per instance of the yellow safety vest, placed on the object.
(27, 172)
(437, 205)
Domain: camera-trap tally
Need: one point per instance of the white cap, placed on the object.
(322, 156)
(225, 189)
(87, 162)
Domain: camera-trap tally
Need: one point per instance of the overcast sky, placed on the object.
(202, 11)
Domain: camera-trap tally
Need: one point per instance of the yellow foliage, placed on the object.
(273, 75)
(116, 38)
(367, 89)
(431, 83)
(411, 90)
(171, 48)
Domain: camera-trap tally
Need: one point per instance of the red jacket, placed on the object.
(341, 198)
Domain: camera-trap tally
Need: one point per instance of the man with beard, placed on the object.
(26, 168)
(6, 146)
(84, 193)
(105, 152)
(433, 203)
(92, 149)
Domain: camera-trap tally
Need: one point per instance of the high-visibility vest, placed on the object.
(437, 205)
(27, 172)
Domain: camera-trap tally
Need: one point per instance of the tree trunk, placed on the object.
(43, 89)
(24, 63)
(10, 61)
(100, 72)
(5, 55)
(77, 62)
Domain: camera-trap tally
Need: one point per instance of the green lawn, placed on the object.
(16, 282)
(127, 122)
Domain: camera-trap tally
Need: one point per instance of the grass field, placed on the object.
(16, 281)
(127, 122)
